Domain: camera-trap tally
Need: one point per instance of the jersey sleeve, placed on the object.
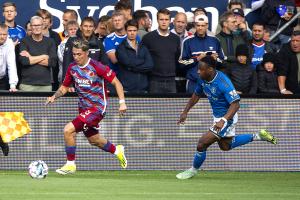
(199, 88)
(68, 78)
(108, 45)
(105, 72)
(229, 91)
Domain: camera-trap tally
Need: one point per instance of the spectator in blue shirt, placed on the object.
(16, 32)
(112, 41)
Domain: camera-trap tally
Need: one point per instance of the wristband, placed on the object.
(283, 90)
(121, 101)
(224, 119)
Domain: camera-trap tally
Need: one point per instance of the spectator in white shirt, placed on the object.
(8, 69)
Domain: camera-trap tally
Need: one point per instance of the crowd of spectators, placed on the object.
(165, 60)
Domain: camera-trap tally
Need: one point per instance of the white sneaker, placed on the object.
(189, 173)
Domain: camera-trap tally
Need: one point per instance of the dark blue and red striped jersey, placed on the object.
(89, 82)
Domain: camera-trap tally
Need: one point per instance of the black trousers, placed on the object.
(4, 83)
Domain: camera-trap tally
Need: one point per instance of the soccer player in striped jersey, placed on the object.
(224, 101)
(89, 77)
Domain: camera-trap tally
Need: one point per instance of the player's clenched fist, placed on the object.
(182, 118)
(122, 109)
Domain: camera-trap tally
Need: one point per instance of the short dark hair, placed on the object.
(163, 11)
(296, 33)
(200, 9)
(139, 14)
(88, 19)
(235, 2)
(258, 23)
(72, 12)
(209, 61)
(123, 5)
(131, 22)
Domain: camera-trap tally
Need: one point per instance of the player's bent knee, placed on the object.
(94, 143)
(225, 147)
(201, 147)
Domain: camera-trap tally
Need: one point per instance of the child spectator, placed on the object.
(267, 75)
(242, 75)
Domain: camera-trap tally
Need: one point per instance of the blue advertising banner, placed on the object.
(96, 9)
(152, 139)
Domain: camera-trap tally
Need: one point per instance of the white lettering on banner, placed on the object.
(54, 12)
(137, 6)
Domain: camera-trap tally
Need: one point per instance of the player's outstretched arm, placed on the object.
(62, 90)
(193, 100)
(119, 88)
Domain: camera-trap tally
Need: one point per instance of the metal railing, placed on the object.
(284, 27)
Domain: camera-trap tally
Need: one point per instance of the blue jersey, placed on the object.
(220, 93)
(111, 42)
(258, 53)
(16, 33)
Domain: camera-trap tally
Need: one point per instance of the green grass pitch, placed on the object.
(123, 185)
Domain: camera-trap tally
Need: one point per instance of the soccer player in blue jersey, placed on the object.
(89, 78)
(224, 101)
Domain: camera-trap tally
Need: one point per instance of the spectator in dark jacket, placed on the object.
(228, 40)
(134, 60)
(275, 14)
(96, 49)
(288, 68)
(242, 75)
(267, 75)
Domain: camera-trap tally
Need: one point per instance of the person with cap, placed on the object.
(197, 46)
(267, 75)
(196, 12)
(242, 25)
(243, 77)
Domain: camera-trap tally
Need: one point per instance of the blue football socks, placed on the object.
(240, 140)
(199, 159)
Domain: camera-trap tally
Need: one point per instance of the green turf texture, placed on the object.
(123, 185)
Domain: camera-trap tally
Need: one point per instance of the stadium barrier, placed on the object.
(152, 139)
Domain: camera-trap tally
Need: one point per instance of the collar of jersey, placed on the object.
(213, 78)
(86, 64)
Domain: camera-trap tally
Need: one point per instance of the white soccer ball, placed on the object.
(38, 169)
